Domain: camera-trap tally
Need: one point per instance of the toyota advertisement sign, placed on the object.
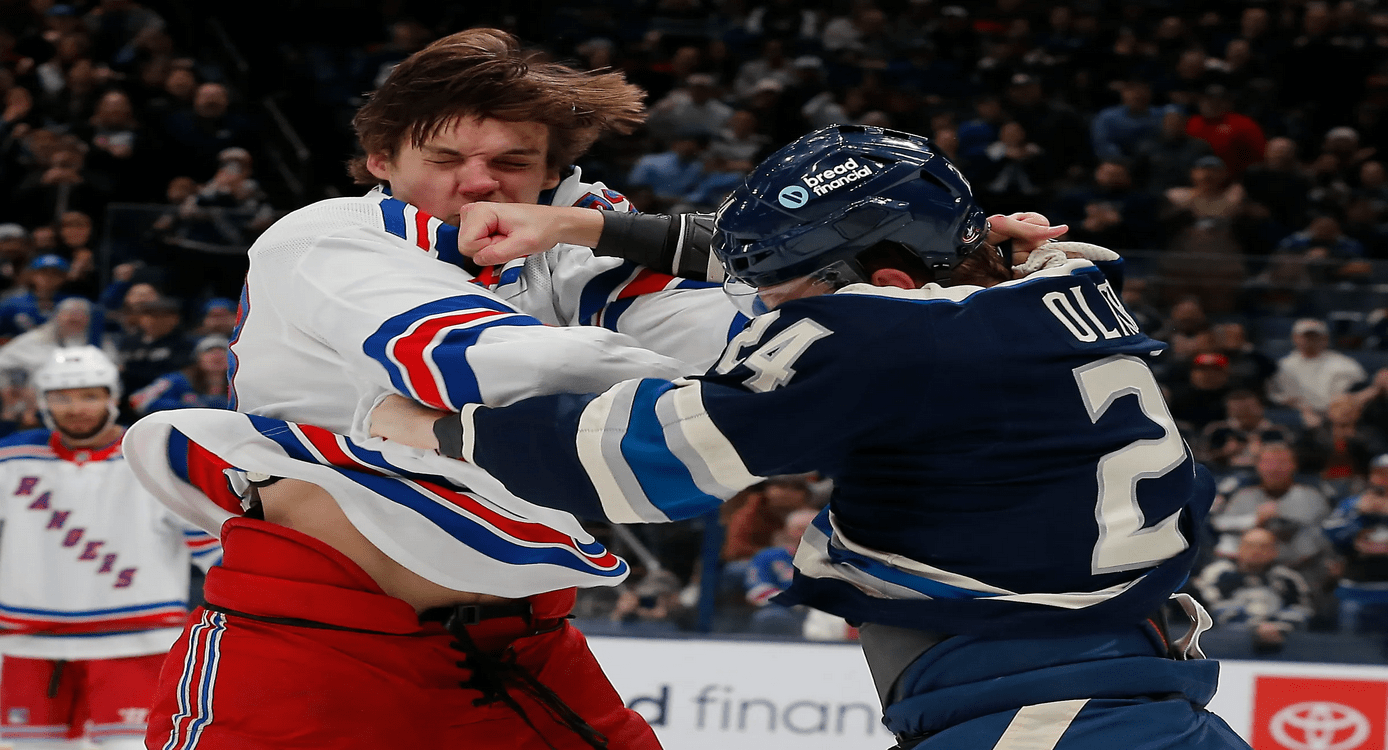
(766, 696)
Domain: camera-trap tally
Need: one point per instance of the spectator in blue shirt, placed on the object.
(771, 571)
(34, 306)
(1358, 530)
(674, 172)
(202, 384)
(1120, 130)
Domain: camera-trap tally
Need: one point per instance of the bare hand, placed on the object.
(404, 421)
(1266, 512)
(1027, 230)
(493, 233)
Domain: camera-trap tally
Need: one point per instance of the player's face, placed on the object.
(79, 412)
(472, 160)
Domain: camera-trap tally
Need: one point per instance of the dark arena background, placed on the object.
(1233, 152)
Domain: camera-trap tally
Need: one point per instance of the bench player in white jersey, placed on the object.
(419, 610)
(94, 572)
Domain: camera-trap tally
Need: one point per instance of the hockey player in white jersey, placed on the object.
(94, 572)
(341, 581)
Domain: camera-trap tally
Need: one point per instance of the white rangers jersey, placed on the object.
(351, 298)
(91, 565)
(346, 298)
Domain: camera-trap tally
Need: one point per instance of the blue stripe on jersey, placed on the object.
(178, 455)
(92, 612)
(597, 291)
(510, 275)
(394, 214)
(614, 311)
(276, 430)
(931, 588)
(447, 245)
(449, 357)
(740, 322)
(664, 478)
(37, 436)
(476, 535)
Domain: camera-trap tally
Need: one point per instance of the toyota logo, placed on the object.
(1319, 725)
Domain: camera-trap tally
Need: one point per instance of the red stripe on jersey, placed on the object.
(409, 352)
(17, 626)
(205, 473)
(523, 530)
(326, 443)
(488, 277)
(646, 282)
(421, 225)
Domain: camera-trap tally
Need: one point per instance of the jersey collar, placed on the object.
(81, 456)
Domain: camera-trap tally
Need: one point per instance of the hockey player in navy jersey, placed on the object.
(1013, 504)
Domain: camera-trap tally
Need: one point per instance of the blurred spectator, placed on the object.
(1200, 399)
(1331, 255)
(1234, 138)
(1187, 330)
(674, 172)
(760, 512)
(1310, 377)
(784, 20)
(690, 111)
(1119, 131)
(1211, 195)
(218, 318)
(1254, 591)
(771, 66)
(75, 244)
(202, 384)
(1277, 502)
(1359, 531)
(65, 185)
(1110, 212)
(653, 598)
(120, 151)
(770, 572)
(1013, 172)
(155, 347)
(1168, 159)
(1056, 128)
(1136, 298)
(15, 247)
(33, 306)
(1248, 367)
(861, 35)
(209, 128)
(232, 186)
(1234, 443)
(1338, 448)
(976, 135)
(1280, 185)
(71, 325)
(739, 143)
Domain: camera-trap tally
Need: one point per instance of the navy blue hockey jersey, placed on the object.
(1002, 457)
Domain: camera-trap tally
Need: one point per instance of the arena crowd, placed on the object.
(1233, 152)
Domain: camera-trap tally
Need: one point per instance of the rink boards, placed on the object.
(733, 695)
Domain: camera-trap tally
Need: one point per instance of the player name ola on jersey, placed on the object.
(1075, 312)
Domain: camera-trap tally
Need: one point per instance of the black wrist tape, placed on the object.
(448, 430)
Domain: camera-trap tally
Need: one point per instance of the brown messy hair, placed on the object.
(484, 73)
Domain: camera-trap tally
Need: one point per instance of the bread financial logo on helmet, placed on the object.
(828, 180)
(793, 196)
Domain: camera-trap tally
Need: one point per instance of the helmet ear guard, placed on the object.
(838, 191)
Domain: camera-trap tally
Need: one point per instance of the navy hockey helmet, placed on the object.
(838, 191)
